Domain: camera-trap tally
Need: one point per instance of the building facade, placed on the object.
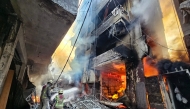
(132, 52)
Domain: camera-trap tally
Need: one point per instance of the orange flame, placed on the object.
(165, 81)
(115, 96)
(35, 99)
(147, 101)
(120, 67)
(121, 106)
(118, 94)
(149, 67)
(113, 78)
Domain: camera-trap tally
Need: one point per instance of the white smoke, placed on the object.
(143, 9)
(150, 15)
(69, 94)
(39, 80)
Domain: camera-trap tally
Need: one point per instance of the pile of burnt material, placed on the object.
(87, 102)
(178, 76)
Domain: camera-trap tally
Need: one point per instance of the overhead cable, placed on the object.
(74, 42)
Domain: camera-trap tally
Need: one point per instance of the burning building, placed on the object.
(136, 53)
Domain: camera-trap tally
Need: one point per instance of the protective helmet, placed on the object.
(50, 81)
(61, 91)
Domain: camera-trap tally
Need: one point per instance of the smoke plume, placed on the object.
(167, 65)
(143, 10)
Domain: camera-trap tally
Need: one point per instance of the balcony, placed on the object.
(116, 54)
(117, 15)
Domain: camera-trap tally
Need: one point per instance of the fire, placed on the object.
(147, 101)
(121, 106)
(120, 67)
(165, 81)
(115, 96)
(118, 94)
(173, 31)
(113, 84)
(113, 81)
(36, 99)
(121, 90)
(149, 67)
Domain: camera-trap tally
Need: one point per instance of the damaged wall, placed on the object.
(44, 24)
(69, 5)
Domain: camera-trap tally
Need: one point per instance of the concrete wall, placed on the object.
(186, 26)
(8, 49)
(69, 5)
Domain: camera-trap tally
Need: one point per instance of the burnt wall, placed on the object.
(154, 95)
(187, 40)
(16, 99)
(7, 19)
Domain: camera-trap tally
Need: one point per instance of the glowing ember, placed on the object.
(121, 90)
(147, 101)
(115, 96)
(113, 81)
(35, 99)
(149, 67)
(113, 85)
(165, 82)
(118, 94)
(120, 67)
(121, 107)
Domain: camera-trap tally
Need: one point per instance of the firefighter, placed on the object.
(59, 100)
(46, 95)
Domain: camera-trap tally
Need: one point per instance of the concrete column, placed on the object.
(6, 89)
(21, 49)
(22, 72)
(5, 61)
(186, 26)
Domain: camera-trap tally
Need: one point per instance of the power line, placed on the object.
(67, 40)
(161, 44)
(130, 43)
(139, 38)
(74, 42)
(131, 37)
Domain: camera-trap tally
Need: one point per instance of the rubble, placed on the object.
(87, 102)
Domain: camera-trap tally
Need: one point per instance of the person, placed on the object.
(59, 100)
(46, 95)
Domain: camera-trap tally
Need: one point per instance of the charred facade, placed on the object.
(125, 59)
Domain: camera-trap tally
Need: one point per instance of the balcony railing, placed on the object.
(117, 14)
(116, 53)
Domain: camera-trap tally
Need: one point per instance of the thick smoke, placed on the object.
(81, 58)
(150, 16)
(39, 81)
(159, 20)
(75, 66)
(83, 43)
(166, 65)
(143, 10)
